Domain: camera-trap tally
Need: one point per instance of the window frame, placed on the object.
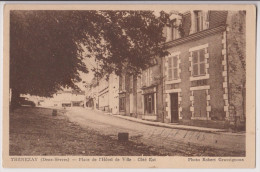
(173, 67)
(147, 74)
(199, 63)
(206, 58)
(122, 83)
(198, 21)
(174, 30)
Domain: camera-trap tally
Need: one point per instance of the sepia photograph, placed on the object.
(129, 85)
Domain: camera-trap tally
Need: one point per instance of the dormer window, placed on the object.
(198, 20)
(172, 30)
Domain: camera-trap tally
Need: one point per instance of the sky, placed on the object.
(87, 77)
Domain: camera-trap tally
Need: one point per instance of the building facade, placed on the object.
(67, 98)
(196, 85)
(141, 96)
(201, 82)
(113, 96)
(103, 94)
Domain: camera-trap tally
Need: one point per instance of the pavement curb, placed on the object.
(174, 126)
(191, 128)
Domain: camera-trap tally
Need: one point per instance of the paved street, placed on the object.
(166, 140)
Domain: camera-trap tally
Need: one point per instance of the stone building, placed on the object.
(150, 98)
(68, 98)
(201, 82)
(113, 97)
(141, 96)
(196, 76)
(124, 94)
(102, 94)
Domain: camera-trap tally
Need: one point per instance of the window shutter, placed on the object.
(175, 61)
(151, 75)
(205, 20)
(169, 74)
(202, 55)
(201, 21)
(195, 63)
(175, 73)
(202, 69)
(175, 67)
(202, 62)
(200, 103)
(170, 68)
(195, 69)
(195, 57)
(193, 22)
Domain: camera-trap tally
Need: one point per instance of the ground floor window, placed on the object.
(149, 103)
(200, 103)
(122, 103)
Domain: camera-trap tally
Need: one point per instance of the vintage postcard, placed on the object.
(129, 86)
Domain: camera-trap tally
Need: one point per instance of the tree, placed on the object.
(47, 48)
(236, 38)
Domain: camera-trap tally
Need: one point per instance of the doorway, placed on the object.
(174, 108)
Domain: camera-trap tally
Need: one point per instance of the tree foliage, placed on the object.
(47, 48)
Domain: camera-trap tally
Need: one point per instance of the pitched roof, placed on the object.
(217, 18)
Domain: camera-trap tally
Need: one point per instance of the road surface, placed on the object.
(166, 140)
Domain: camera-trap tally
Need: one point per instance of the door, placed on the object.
(174, 107)
(149, 103)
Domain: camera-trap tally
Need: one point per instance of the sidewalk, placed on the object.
(173, 126)
(176, 126)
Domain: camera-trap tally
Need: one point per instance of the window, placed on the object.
(122, 83)
(149, 103)
(173, 68)
(147, 77)
(198, 63)
(198, 21)
(122, 104)
(172, 31)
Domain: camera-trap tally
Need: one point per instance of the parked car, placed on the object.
(24, 101)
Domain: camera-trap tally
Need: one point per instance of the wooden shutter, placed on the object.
(170, 68)
(200, 103)
(175, 67)
(195, 68)
(202, 62)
